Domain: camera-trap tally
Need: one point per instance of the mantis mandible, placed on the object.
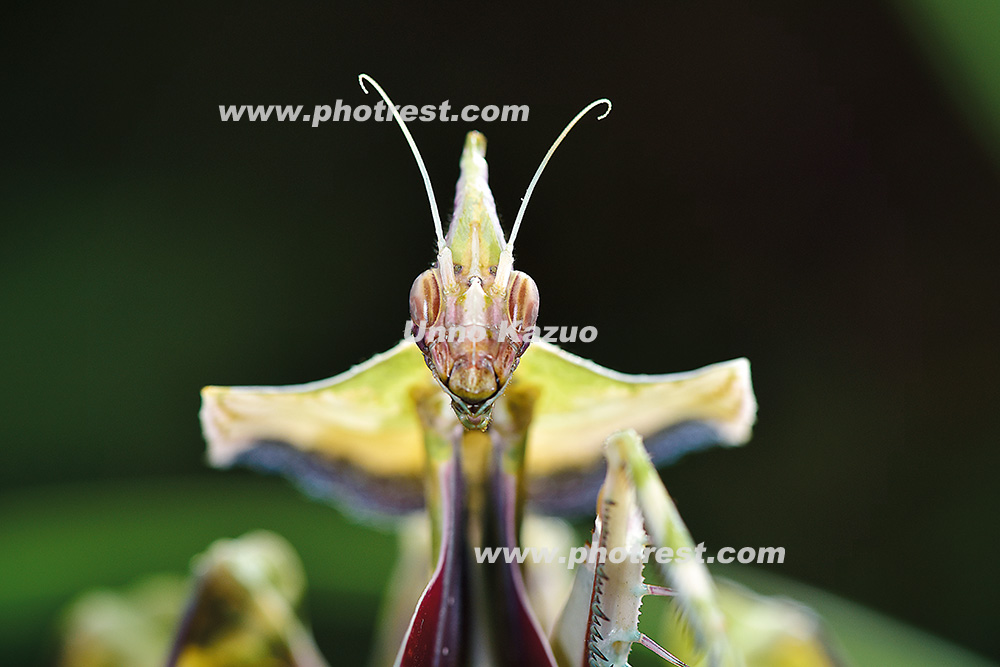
(486, 431)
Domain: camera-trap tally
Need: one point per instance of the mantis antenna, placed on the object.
(545, 161)
(416, 153)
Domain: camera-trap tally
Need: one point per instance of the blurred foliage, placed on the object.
(239, 610)
(61, 541)
(962, 46)
(133, 627)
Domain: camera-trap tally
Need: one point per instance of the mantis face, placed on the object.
(471, 311)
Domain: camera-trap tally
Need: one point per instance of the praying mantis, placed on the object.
(483, 434)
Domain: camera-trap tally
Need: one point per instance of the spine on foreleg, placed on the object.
(690, 580)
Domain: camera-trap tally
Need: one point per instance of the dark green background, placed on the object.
(810, 185)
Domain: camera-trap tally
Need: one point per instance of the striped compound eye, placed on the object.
(522, 309)
(425, 301)
(522, 302)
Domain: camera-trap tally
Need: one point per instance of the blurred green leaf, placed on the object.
(58, 542)
(961, 41)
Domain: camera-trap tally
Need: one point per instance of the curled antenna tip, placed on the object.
(545, 161)
(606, 101)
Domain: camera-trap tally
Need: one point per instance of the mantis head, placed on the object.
(471, 311)
(472, 314)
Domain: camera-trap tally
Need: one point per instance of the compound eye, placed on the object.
(425, 299)
(522, 304)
